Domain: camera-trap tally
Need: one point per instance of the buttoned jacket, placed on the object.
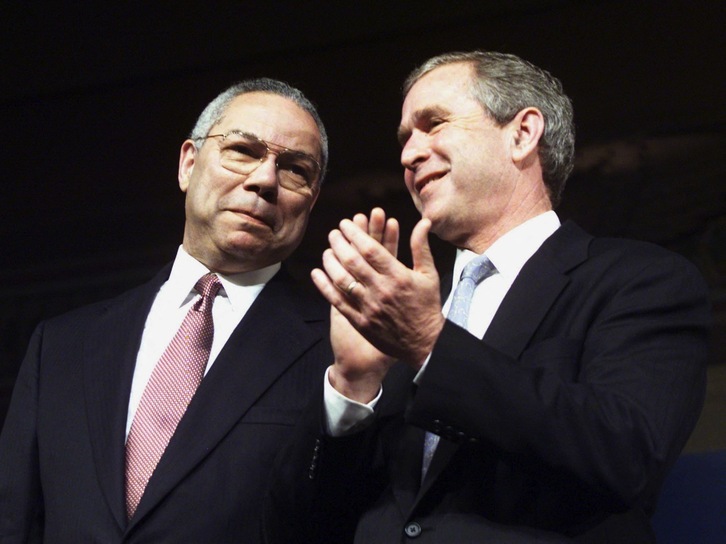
(558, 426)
(62, 446)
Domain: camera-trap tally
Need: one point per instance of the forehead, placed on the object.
(446, 88)
(273, 118)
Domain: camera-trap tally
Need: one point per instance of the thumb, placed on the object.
(423, 260)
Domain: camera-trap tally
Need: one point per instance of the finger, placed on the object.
(377, 224)
(332, 294)
(423, 260)
(364, 257)
(325, 286)
(385, 231)
(361, 220)
(350, 257)
(391, 236)
(337, 273)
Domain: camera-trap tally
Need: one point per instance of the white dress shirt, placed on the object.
(173, 301)
(508, 254)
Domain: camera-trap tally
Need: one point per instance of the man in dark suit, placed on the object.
(551, 401)
(251, 170)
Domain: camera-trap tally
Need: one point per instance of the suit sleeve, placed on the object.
(607, 390)
(21, 501)
(320, 484)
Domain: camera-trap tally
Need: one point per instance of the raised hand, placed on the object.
(397, 309)
(359, 367)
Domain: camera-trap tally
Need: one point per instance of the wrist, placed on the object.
(422, 350)
(361, 387)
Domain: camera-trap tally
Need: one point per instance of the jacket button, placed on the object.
(412, 530)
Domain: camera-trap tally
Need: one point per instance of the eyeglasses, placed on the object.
(242, 153)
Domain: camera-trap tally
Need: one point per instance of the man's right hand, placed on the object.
(359, 367)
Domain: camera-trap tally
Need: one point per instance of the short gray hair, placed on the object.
(215, 110)
(506, 84)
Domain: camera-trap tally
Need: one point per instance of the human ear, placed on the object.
(187, 156)
(528, 127)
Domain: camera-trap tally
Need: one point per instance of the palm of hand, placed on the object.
(353, 351)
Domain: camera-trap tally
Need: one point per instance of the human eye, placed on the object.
(243, 148)
(302, 172)
(434, 123)
(299, 169)
(432, 119)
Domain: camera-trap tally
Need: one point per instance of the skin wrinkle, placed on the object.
(239, 222)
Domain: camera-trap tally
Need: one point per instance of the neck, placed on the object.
(509, 218)
(225, 264)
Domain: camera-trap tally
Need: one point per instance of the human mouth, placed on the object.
(423, 181)
(253, 217)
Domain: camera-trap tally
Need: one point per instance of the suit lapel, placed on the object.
(532, 294)
(536, 288)
(110, 347)
(271, 337)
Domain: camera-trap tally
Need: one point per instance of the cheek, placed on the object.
(408, 178)
(294, 214)
(206, 189)
(196, 198)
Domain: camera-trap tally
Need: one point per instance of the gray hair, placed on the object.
(215, 110)
(505, 85)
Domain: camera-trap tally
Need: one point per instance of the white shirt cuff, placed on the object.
(420, 373)
(343, 415)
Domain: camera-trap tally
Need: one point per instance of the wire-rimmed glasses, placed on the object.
(242, 152)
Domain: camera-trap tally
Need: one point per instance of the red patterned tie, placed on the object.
(170, 389)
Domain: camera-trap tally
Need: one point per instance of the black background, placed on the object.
(96, 98)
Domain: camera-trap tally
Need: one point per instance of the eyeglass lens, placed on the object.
(243, 153)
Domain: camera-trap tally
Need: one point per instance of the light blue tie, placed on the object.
(474, 273)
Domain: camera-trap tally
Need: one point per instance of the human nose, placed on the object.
(415, 150)
(263, 179)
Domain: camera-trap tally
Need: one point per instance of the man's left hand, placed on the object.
(396, 308)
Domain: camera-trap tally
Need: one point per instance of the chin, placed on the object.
(441, 226)
(427, 212)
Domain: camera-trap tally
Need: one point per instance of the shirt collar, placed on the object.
(186, 271)
(510, 251)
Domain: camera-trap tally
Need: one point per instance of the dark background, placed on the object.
(96, 98)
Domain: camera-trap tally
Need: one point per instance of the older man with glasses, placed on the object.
(156, 416)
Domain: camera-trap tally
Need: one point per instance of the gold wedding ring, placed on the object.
(350, 287)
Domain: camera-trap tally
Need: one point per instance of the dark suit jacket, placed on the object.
(559, 425)
(62, 446)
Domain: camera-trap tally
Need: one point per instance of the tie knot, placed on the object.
(478, 268)
(208, 286)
